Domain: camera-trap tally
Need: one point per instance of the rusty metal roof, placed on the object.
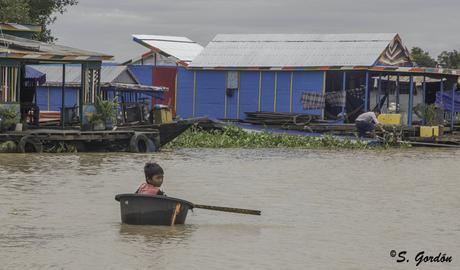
(4, 26)
(109, 74)
(21, 48)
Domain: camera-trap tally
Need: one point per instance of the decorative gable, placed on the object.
(395, 54)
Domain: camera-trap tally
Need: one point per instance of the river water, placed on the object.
(320, 210)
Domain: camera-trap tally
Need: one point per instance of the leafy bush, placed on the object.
(427, 112)
(105, 110)
(235, 137)
(8, 118)
(8, 147)
(62, 147)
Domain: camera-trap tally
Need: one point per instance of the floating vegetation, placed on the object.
(8, 147)
(61, 148)
(235, 137)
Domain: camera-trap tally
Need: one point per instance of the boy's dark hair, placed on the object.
(151, 169)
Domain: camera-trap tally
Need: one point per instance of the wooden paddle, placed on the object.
(174, 214)
(228, 209)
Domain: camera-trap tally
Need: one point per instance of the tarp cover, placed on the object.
(446, 101)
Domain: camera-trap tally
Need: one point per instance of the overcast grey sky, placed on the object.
(106, 26)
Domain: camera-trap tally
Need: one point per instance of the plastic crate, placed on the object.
(390, 119)
(429, 131)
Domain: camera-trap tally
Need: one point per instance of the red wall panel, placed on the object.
(166, 76)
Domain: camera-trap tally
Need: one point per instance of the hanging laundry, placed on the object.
(357, 93)
(336, 99)
(313, 100)
(444, 101)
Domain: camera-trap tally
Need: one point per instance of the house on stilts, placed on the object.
(167, 56)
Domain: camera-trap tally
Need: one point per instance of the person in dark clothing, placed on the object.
(154, 176)
(366, 123)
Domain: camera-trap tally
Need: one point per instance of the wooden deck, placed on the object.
(84, 141)
(73, 135)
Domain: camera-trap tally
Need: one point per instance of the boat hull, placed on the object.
(139, 209)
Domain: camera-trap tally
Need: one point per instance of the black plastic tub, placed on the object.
(138, 209)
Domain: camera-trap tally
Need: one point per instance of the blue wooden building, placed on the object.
(235, 74)
(114, 80)
(246, 73)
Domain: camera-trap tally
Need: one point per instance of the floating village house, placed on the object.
(18, 52)
(328, 75)
(36, 76)
(81, 82)
(161, 64)
(115, 81)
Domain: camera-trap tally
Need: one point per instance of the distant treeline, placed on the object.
(447, 59)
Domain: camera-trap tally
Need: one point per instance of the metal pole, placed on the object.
(387, 91)
(442, 92)
(366, 93)
(397, 94)
(441, 102)
(377, 104)
(344, 85)
(81, 93)
(63, 96)
(411, 97)
(453, 108)
(424, 98)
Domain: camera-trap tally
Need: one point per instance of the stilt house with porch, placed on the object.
(319, 74)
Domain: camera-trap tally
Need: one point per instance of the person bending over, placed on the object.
(366, 123)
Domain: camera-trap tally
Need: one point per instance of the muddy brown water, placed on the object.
(320, 210)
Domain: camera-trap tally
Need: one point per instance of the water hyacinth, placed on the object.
(235, 137)
(8, 147)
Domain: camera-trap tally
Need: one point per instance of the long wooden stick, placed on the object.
(431, 144)
(228, 209)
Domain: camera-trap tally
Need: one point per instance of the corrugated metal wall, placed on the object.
(210, 94)
(143, 73)
(267, 92)
(184, 93)
(249, 92)
(203, 92)
(165, 76)
(283, 80)
(312, 81)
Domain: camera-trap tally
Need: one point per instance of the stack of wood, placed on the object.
(279, 118)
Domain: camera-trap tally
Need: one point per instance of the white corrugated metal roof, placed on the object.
(293, 50)
(181, 48)
(109, 74)
(304, 37)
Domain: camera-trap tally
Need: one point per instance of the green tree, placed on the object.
(14, 11)
(449, 59)
(41, 12)
(422, 58)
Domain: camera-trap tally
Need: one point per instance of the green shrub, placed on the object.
(9, 118)
(8, 147)
(235, 137)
